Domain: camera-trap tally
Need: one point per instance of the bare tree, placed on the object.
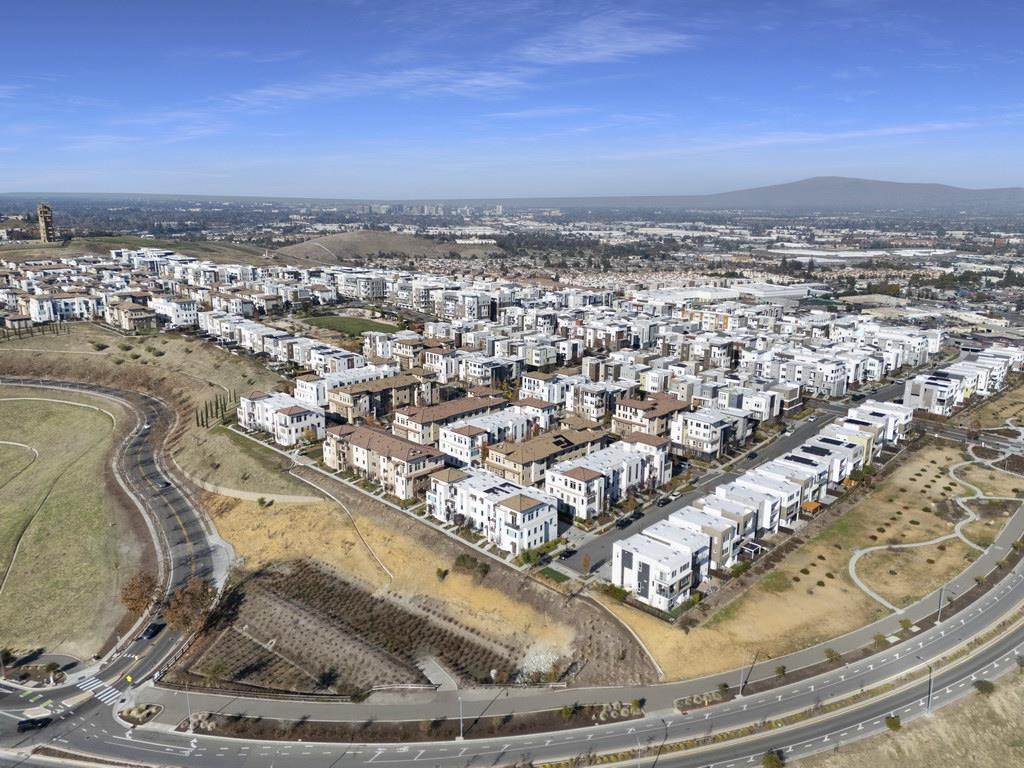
(139, 591)
(190, 604)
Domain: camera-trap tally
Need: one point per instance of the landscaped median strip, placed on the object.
(801, 716)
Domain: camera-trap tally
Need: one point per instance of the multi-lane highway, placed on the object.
(91, 728)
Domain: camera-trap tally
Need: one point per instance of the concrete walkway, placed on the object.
(957, 530)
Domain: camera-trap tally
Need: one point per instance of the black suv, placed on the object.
(33, 724)
(152, 630)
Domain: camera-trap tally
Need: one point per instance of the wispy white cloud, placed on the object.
(779, 138)
(8, 90)
(538, 113)
(607, 37)
(422, 80)
(259, 57)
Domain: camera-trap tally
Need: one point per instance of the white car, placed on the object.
(812, 418)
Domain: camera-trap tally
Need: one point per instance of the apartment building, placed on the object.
(651, 416)
(379, 397)
(710, 432)
(465, 442)
(281, 415)
(311, 389)
(176, 313)
(422, 424)
(527, 462)
(513, 517)
(401, 468)
(589, 485)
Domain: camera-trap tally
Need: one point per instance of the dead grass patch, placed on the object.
(903, 576)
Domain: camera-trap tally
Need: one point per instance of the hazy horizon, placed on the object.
(450, 99)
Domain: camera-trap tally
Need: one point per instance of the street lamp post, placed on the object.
(928, 701)
(460, 718)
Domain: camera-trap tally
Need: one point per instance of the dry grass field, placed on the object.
(185, 372)
(366, 243)
(809, 597)
(903, 576)
(980, 732)
(222, 252)
(67, 541)
(993, 482)
(503, 606)
(1009, 404)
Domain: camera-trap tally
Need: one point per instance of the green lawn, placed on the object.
(556, 576)
(352, 326)
(63, 546)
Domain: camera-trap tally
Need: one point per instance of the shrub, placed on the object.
(892, 722)
(832, 656)
(984, 687)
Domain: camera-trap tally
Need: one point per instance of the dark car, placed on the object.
(33, 724)
(565, 554)
(636, 515)
(752, 455)
(152, 630)
(664, 502)
(623, 522)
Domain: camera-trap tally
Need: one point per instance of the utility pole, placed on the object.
(928, 701)
(460, 719)
(745, 674)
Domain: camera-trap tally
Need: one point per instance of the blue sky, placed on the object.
(435, 99)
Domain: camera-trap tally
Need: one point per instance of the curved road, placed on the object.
(92, 729)
(185, 545)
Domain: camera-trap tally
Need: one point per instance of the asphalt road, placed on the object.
(599, 548)
(98, 735)
(91, 728)
(184, 543)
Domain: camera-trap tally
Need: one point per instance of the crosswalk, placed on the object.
(99, 689)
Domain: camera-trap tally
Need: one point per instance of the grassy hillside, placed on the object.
(365, 243)
(64, 547)
(202, 249)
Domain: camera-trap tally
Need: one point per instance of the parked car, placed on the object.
(636, 515)
(623, 522)
(664, 502)
(812, 417)
(752, 455)
(566, 553)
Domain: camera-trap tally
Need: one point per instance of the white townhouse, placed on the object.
(709, 431)
(654, 573)
(49, 307)
(464, 441)
(513, 517)
(588, 485)
(176, 313)
(661, 565)
(282, 416)
(937, 393)
(311, 389)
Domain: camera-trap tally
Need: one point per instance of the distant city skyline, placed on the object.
(459, 99)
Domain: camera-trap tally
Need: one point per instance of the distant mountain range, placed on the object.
(824, 194)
